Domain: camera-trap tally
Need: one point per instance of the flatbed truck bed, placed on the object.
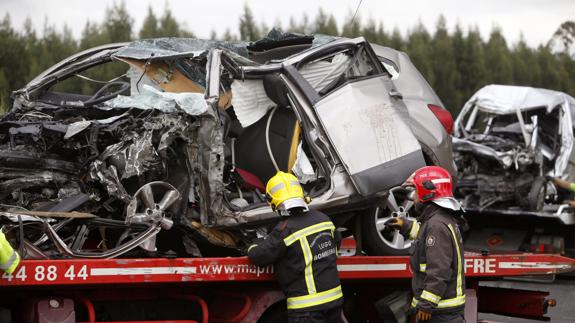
(234, 290)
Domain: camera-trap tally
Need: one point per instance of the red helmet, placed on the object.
(433, 183)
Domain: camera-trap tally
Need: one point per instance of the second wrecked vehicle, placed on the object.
(508, 139)
(171, 150)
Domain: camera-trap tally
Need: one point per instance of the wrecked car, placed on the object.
(170, 153)
(507, 140)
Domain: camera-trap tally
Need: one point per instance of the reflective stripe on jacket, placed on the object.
(437, 261)
(303, 251)
(9, 259)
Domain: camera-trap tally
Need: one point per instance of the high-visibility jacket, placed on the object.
(9, 259)
(437, 261)
(303, 250)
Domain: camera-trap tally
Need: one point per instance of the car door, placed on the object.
(363, 116)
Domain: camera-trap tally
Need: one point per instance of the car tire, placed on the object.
(537, 193)
(380, 242)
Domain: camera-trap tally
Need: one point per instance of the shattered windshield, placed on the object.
(514, 125)
(88, 82)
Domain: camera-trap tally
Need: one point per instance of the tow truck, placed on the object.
(186, 290)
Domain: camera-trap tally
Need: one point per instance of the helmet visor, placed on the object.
(448, 203)
(293, 203)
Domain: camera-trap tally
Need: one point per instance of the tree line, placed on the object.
(456, 63)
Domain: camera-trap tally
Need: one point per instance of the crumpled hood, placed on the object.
(468, 146)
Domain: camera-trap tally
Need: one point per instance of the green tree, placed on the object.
(324, 24)
(33, 49)
(248, 28)
(352, 26)
(396, 40)
(5, 88)
(382, 36)
(305, 26)
(56, 45)
(264, 29)
(568, 69)
(302, 27)
(213, 35)
(525, 67)
(169, 26)
(369, 31)
(332, 28)
(150, 27)
(92, 36)
(13, 61)
(444, 67)
(565, 36)
(228, 36)
(118, 24)
(497, 59)
(472, 69)
(458, 45)
(550, 78)
(418, 46)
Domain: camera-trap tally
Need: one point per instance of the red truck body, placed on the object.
(234, 290)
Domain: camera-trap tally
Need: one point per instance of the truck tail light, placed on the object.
(443, 116)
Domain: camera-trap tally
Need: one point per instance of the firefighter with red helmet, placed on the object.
(437, 256)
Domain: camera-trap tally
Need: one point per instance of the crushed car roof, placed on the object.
(158, 48)
(506, 99)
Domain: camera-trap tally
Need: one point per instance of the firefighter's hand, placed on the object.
(422, 315)
(251, 244)
(395, 223)
(400, 223)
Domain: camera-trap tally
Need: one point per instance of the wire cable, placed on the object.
(268, 139)
(98, 81)
(356, 10)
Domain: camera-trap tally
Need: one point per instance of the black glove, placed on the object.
(254, 242)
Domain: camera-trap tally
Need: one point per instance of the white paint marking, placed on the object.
(536, 265)
(380, 267)
(142, 271)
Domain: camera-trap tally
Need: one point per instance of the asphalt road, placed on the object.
(562, 290)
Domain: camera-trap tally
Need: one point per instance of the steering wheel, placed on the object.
(102, 94)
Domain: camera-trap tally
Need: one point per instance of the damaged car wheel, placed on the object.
(378, 240)
(537, 194)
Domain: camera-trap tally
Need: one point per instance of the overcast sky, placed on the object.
(536, 19)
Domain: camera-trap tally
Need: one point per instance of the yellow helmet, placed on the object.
(284, 192)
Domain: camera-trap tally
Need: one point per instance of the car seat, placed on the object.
(271, 140)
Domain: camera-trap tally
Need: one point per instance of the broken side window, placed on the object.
(330, 72)
(91, 86)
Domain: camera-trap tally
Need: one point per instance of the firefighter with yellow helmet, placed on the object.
(9, 259)
(303, 251)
